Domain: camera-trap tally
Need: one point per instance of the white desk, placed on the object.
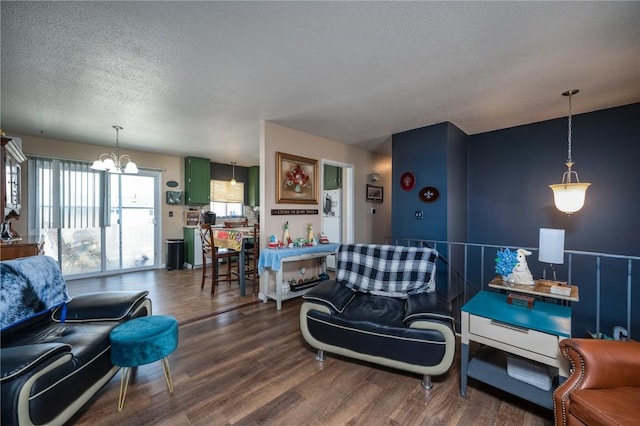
(270, 264)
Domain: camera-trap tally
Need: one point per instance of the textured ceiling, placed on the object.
(196, 78)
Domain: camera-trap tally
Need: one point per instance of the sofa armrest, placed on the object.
(108, 306)
(18, 360)
(596, 364)
(426, 307)
(331, 294)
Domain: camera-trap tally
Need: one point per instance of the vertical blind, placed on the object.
(223, 192)
(66, 194)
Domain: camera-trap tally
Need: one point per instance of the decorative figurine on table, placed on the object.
(323, 238)
(521, 273)
(512, 265)
(273, 241)
(311, 240)
(286, 239)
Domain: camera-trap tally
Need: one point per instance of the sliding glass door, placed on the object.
(130, 237)
(94, 222)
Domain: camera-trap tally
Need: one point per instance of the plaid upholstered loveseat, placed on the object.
(382, 308)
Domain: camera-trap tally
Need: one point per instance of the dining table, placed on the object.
(234, 238)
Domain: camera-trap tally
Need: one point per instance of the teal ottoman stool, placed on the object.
(142, 341)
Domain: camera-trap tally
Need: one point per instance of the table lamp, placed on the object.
(551, 247)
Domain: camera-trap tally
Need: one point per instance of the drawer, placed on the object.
(523, 338)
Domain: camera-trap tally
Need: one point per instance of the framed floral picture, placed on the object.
(296, 179)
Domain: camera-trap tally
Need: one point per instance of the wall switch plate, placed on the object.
(419, 214)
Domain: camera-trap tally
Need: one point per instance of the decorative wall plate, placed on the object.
(429, 194)
(172, 183)
(407, 181)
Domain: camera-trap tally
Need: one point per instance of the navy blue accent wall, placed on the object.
(508, 198)
(437, 156)
(510, 170)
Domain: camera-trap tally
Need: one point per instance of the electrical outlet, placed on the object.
(419, 215)
(170, 214)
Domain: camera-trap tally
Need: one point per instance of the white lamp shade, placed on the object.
(551, 246)
(108, 164)
(569, 197)
(98, 165)
(131, 168)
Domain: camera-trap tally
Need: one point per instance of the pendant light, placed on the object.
(569, 195)
(113, 163)
(233, 179)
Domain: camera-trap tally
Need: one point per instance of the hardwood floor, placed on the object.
(239, 361)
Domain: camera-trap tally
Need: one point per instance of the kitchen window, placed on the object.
(227, 200)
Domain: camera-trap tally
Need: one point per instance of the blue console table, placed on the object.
(502, 328)
(270, 263)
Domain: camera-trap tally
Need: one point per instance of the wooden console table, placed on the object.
(270, 264)
(541, 288)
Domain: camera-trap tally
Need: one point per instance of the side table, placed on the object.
(532, 333)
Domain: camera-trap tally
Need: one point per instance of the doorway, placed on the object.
(337, 203)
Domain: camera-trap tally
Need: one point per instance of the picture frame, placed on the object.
(375, 193)
(296, 179)
(174, 197)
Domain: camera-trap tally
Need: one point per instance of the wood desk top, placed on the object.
(540, 288)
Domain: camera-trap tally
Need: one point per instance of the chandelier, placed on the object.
(569, 195)
(113, 163)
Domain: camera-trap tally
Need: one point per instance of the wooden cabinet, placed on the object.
(332, 177)
(197, 177)
(10, 183)
(254, 186)
(16, 249)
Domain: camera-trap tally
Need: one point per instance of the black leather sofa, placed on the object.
(382, 308)
(55, 350)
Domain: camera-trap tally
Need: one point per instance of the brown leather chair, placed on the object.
(604, 385)
(214, 254)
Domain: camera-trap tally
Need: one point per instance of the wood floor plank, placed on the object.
(241, 362)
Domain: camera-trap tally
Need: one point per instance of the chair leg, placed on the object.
(204, 272)
(124, 382)
(167, 374)
(426, 382)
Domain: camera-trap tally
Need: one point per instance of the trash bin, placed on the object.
(175, 253)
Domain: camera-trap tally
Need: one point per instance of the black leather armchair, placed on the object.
(53, 362)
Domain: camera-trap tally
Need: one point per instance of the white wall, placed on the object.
(367, 228)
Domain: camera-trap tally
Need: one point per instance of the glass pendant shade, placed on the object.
(233, 178)
(569, 197)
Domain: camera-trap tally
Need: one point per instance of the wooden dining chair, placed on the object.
(213, 254)
(251, 257)
(236, 223)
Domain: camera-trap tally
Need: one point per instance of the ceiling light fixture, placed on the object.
(569, 196)
(113, 162)
(233, 179)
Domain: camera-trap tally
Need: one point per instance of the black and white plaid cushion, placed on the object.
(386, 270)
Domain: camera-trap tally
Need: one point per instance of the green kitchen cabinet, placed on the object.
(254, 186)
(197, 178)
(332, 177)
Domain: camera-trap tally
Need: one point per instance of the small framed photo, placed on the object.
(174, 197)
(374, 193)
